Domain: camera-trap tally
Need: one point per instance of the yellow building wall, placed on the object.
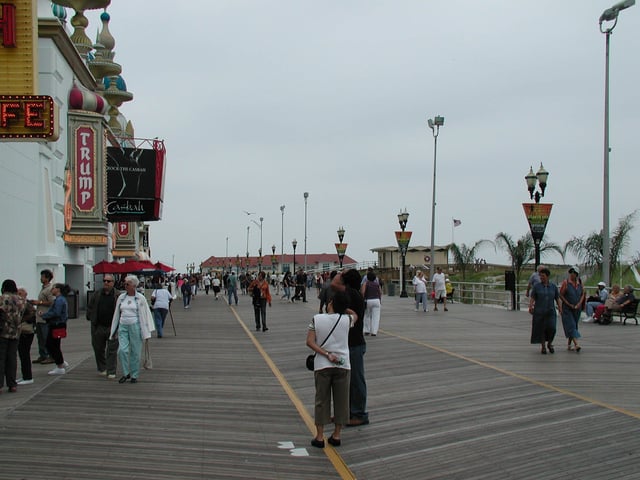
(19, 65)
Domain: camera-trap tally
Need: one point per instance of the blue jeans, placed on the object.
(42, 332)
(130, 339)
(421, 297)
(232, 291)
(159, 315)
(358, 384)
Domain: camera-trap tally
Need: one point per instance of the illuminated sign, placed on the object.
(28, 117)
(8, 25)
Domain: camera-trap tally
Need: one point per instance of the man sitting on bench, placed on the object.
(621, 304)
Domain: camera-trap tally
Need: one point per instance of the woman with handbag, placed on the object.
(56, 318)
(331, 367)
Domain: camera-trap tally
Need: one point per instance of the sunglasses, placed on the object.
(107, 281)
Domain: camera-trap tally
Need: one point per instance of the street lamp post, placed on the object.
(259, 225)
(294, 244)
(609, 15)
(403, 239)
(306, 196)
(274, 258)
(537, 213)
(434, 125)
(341, 248)
(281, 236)
(259, 260)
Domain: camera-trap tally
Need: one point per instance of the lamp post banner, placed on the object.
(537, 215)
(403, 239)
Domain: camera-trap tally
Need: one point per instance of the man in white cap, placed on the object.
(594, 300)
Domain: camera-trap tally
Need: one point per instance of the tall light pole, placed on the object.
(248, 248)
(281, 236)
(434, 125)
(306, 196)
(609, 15)
(259, 225)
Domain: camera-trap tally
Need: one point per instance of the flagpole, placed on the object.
(452, 227)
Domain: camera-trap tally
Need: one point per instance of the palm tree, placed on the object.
(522, 252)
(589, 249)
(464, 257)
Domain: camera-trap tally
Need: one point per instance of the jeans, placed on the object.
(186, 300)
(358, 384)
(159, 315)
(591, 306)
(42, 332)
(260, 312)
(232, 291)
(421, 297)
(130, 349)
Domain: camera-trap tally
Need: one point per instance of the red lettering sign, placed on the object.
(85, 166)
(28, 117)
(8, 25)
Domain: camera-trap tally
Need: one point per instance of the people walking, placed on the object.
(372, 294)
(44, 301)
(286, 287)
(186, 293)
(132, 323)
(160, 301)
(420, 290)
(27, 332)
(232, 287)
(261, 297)
(542, 297)
(572, 296)
(11, 309)
(100, 310)
(439, 289)
(56, 318)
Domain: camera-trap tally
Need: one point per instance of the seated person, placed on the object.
(609, 302)
(449, 289)
(599, 298)
(621, 303)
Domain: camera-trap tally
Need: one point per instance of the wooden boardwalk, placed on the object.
(455, 395)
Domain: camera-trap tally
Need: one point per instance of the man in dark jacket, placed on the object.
(100, 310)
(349, 282)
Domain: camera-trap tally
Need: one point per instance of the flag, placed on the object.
(457, 223)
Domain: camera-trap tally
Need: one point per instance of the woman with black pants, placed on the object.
(56, 318)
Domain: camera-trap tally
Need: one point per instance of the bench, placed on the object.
(630, 312)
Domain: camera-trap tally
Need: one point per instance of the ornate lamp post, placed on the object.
(274, 259)
(341, 248)
(294, 244)
(190, 268)
(403, 239)
(537, 213)
(434, 125)
(609, 15)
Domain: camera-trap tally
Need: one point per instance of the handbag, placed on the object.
(310, 362)
(59, 332)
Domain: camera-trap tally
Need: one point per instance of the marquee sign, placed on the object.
(28, 118)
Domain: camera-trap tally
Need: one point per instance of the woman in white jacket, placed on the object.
(133, 323)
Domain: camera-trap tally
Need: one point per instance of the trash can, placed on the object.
(391, 289)
(72, 301)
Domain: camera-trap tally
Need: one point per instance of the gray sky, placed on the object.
(260, 101)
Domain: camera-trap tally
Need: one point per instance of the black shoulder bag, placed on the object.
(311, 358)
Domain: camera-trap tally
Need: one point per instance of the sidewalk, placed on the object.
(458, 394)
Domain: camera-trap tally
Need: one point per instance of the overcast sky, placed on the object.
(261, 101)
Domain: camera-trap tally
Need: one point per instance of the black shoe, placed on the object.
(134, 380)
(317, 443)
(336, 442)
(257, 328)
(264, 329)
(357, 422)
(124, 378)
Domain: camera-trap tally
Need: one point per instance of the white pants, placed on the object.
(372, 316)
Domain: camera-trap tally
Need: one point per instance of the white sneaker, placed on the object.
(66, 364)
(57, 371)
(111, 376)
(24, 382)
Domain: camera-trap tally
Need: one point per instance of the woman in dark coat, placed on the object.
(541, 306)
